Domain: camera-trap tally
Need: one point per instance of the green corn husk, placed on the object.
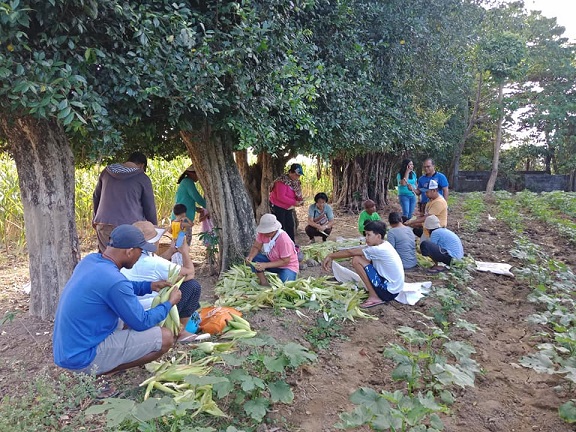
(319, 251)
(238, 288)
(172, 321)
(170, 377)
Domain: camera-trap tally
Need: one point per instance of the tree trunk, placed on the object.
(212, 155)
(252, 177)
(45, 165)
(270, 168)
(364, 177)
(455, 163)
(259, 177)
(497, 142)
(549, 154)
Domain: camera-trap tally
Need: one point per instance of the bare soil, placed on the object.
(507, 397)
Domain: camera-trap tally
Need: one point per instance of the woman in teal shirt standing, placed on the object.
(188, 195)
(407, 183)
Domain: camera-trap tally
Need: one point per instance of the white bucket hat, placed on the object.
(268, 224)
(151, 233)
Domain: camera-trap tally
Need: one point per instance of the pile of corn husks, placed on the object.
(239, 288)
(319, 251)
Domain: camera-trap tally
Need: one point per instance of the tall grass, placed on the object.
(163, 174)
(311, 184)
(11, 211)
(12, 235)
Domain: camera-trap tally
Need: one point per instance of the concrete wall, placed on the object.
(535, 181)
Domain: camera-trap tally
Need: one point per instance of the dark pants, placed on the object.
(435, 252)
(190, 301)
(286, 218)
(312, 232)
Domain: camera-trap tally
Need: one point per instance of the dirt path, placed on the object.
(506, 397)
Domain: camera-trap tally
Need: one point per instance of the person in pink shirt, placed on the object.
(285, 194)
(273, 251)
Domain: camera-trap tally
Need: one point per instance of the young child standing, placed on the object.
(181, 223)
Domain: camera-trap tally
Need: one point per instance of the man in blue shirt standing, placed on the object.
(444, 246)
(430, 173)
(88, 336)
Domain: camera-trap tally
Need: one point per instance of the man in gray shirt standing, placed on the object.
(123, 195)
(403, 239)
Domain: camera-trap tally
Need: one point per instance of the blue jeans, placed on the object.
(283, 273)
(408, 204)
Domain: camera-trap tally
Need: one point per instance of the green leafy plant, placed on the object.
(424, 362)
(474, 209)
(49, 404)
(394, 411)
(247, 384)
(323, 332)
(553, 287)
(508, 211)
(210, 239)
(9, 316)
(539, 207)
(567, 411)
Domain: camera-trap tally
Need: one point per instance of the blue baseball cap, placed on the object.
(128, 236)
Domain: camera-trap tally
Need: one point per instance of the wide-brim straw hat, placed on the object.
(151, 233)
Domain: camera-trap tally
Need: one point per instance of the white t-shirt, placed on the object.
(388, 264)
(148, 268)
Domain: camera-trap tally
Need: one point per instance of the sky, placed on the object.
(563, 10)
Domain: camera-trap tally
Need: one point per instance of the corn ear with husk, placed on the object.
(237, 328)
(237, 323)
(319, 251)
(175, 372)
(239, 289)
(218, 347)
(170, 378)
(172, 321)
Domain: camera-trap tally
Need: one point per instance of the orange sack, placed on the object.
(213, 319)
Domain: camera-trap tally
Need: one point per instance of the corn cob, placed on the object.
(219, 347)
(238, 334)
(172, 320)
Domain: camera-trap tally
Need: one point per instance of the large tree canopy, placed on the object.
(359, 82)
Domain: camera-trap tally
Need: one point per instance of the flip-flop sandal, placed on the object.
(188, 339)
(194, 338)
(367, 305)
(435, 270)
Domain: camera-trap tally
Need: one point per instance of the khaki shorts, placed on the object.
(103, 232)
(124, 346)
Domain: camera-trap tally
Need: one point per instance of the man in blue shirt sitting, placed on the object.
(443, 245)
(88, 334)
